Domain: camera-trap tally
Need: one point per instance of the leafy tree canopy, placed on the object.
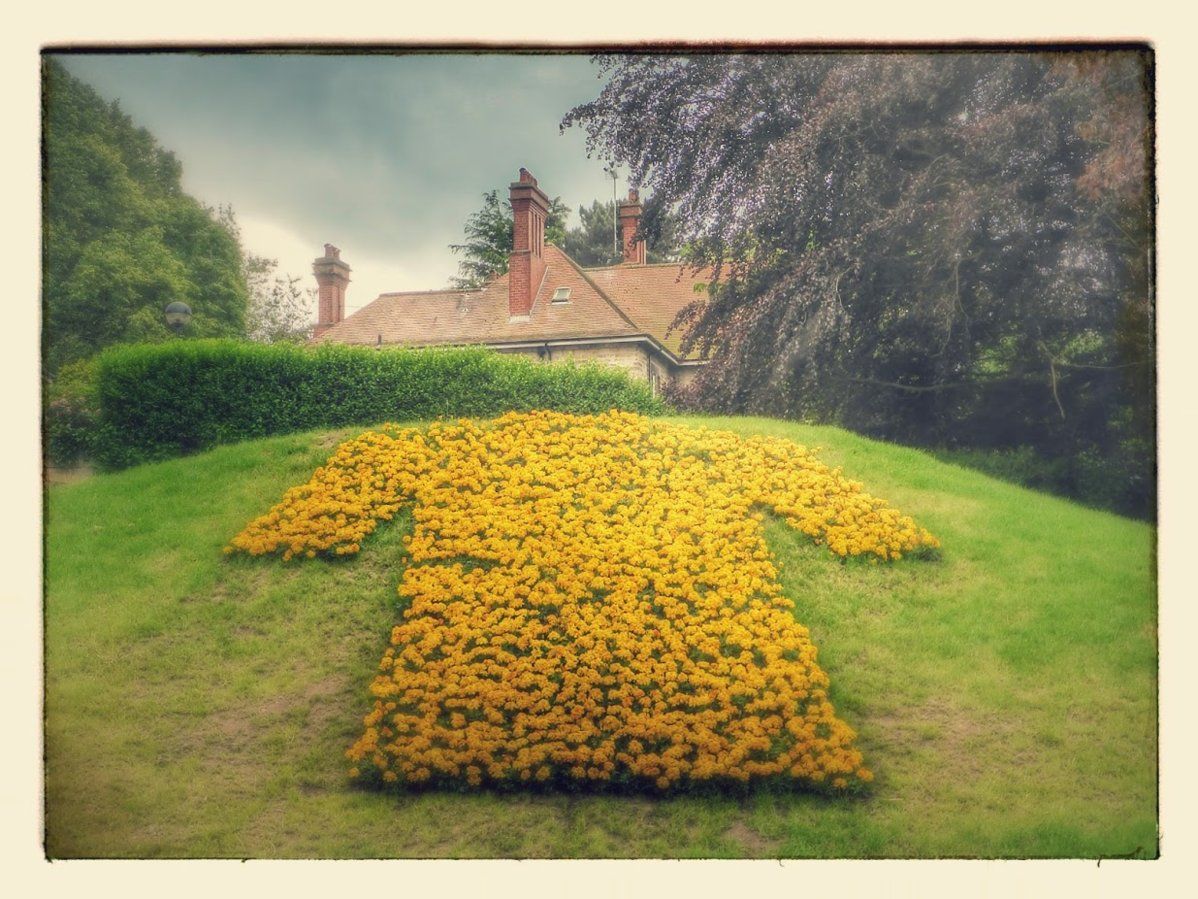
(280, 306)
(947, 248)
(591, 241)
(121, 239)
(489, 233)
(280, 309)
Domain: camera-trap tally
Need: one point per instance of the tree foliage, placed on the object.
(121, 239)
(950, 248)
(591, 241)
(489, 233)
(280, 307)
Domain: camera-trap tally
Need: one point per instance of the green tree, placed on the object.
(591, 242)
(936, 248)
(280, 307)
(120, 237)
(665, 243)
(489, 233)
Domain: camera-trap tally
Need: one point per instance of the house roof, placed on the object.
(613, 302)
(652, 295)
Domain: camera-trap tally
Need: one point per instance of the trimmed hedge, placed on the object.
(162, 400)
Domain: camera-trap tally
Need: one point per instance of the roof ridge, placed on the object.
(408, 293)
(535, 294)
(626, 267)
(599, 290)
(624, 315)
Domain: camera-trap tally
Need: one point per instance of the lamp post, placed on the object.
(615, 211)
(178, 314)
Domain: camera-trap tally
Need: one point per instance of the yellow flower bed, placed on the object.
(591, 598)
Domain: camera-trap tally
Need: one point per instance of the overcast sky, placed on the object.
(384, 156)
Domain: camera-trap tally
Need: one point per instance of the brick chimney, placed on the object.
(333, 276)
(630, 218)
(526, 267)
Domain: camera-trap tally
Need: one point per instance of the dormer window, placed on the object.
(561, 295)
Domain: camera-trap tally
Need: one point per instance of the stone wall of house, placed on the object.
(632, 358)
(683, 375)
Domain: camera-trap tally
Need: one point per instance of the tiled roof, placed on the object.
(622, 301)
(651, 295)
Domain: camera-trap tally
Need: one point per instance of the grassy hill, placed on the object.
(199, 705)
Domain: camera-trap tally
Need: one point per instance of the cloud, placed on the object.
(371, 274)
(384, 156)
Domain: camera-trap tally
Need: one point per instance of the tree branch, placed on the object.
(911, 388)
(1101, 367)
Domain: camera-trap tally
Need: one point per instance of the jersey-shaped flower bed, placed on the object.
(591, 598)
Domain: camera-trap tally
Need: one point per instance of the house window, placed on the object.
(561, 295)
(653, 379)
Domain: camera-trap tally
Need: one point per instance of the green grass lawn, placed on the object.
(200, 705)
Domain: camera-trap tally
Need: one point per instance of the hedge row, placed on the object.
(162, 400)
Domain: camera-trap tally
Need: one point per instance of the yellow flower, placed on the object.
(591, 594)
